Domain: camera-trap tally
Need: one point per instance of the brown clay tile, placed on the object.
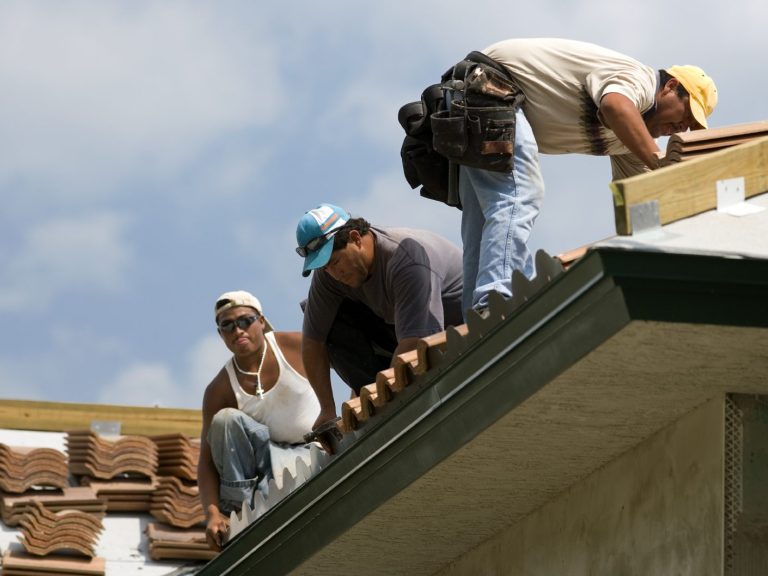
(754, 129)
(108, 457)
(406, 366)
(351, 414)
(22, 467)
(17, 562)
(177, 503)
(177, 455)
(694, 144)
(385, 385)
(569, 257)
(369, 400)
(430, 349)
(171, 482)
(166, 542)
(78, 498)
(46, 520)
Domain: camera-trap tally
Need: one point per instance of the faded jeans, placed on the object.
(498, 212)
(240, 450)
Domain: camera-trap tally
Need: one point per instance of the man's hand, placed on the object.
(324, 417)
(217, 529)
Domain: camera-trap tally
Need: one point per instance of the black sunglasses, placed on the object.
(315, 243)
(242, 322)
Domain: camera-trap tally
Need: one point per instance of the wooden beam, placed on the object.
(63, 417)
(690, 187)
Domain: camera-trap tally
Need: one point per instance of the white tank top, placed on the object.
(288, 409)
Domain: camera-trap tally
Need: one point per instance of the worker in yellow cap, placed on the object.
(521, 97)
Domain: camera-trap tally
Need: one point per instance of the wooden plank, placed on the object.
(689, 187)
(710, 145)
(755, 129)
(64, 416)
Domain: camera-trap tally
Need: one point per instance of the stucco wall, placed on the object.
(657, 509)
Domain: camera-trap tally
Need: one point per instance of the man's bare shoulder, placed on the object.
(290, 345)
(288, 338)
(218, 393)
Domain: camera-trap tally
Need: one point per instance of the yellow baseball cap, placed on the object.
(701, 89)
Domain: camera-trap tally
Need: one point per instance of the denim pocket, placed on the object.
(235, 491)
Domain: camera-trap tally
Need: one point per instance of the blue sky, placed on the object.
(156, 154)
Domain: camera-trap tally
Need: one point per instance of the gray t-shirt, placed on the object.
(415, 285)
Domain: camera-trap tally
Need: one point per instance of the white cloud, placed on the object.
(68, 253)
(142, 384)
(94, 93)
(205, 359)
(161, 384)
(391, 202)
(15, 383)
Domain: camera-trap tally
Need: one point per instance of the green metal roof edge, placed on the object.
(596, 298)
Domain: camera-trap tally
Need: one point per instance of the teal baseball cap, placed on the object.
(314, 235)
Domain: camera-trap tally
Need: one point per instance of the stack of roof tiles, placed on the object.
(44, 531)
(166, 542)
(131, 495)
(177, 503)
(57, 526)
(103, 457)
(689, 145)
(54, 518)
(82, 498)
(24, 467)
(177, 455)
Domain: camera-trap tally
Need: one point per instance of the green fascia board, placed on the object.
(569, 318)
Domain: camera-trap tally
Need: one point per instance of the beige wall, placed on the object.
(655, 510)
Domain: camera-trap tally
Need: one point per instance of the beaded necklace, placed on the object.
(259, 388)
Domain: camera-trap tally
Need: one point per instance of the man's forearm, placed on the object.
(623, 118)
(318, 366)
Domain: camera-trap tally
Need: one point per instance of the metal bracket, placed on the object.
(729, 193)
(644, 217)
(106, 427)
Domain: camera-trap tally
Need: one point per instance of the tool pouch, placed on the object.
(422, 165)
(479, 128)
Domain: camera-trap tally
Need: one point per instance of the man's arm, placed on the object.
(290, 345)
(318, 367)
(404, 345)
(217, 525)
(621, 115)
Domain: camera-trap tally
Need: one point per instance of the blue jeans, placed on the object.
(498, 212)
(240, 450)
